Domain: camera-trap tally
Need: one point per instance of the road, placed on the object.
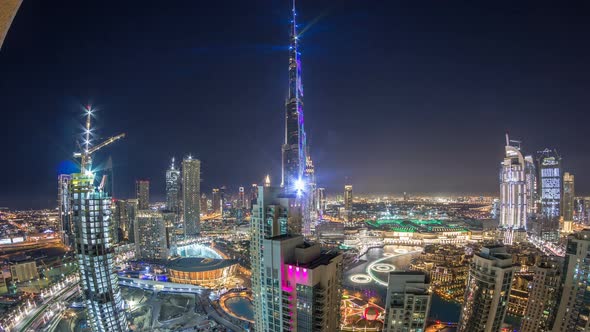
(39, 315)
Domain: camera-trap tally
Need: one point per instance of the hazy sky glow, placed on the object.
(399, 96)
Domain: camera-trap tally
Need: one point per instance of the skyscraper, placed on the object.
(66, 229)
(109, 178)
(252, 198)
(574, 301)
(96, 255)
(151, 236)
(295, 147)
(94, 244)
(172, 188)
(121, 219)
(216, 200)
(513, 191)
(543, 296)
(321, 200)
(568, 197)
(270, 217)
(550, 194)
(191, 194)
(142, 190)
(132, 208)
(348, 204)
(549, 167)
(204, 205)
(303, 291)
(530, 177)
(241, 198)
(408, 301)
(488, 289)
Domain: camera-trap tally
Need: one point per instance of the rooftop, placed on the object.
(199, 264)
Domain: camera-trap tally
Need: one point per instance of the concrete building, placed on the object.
(121, 220)
(543, 296)
(573, 313)
(408, 302)
(24, 271)
(216, 200)
(348, 204)
(142, 190)
(151, 235)
(191, 195)
(567, 203)
(132, 208)
(172, 188)
(488, 290)
(204, 204)
(321, 200)
(302, 288)
(64, 199)
(241, 198)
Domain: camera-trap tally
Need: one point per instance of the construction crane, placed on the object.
(86, 154)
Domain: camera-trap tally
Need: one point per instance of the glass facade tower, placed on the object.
(96, 254)
(191, 195)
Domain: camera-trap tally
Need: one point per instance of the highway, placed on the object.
(41, 314)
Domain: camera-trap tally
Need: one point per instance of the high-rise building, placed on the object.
(271, 214)
(241, 198)
(204, 205)
(121, 219)
(172, 188)
(94, 243)
(550, 194)
(142, 190)
(322, 200)
(302, 288)
(66, 229)
(348, 204)
(549, 168)
(109, 178)
(543, 296)
(191, 195)
(216, 200)
(151, 239)
(132, 208)
(574, 299)
(295, 146)
(96, 255)
(408, 301)
(8, 9)
(252, 198)
(530, 178)
(488, 289)
(222, 198)
(568, 197)
(513, 191)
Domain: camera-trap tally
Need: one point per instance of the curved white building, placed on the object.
(513, 189)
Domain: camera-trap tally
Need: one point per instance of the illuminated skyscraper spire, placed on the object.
(294, 150)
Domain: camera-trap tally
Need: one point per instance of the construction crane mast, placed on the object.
(87, 150)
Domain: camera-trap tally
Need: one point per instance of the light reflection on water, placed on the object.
(440, 309)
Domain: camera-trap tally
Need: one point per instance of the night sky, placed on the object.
(399, 95)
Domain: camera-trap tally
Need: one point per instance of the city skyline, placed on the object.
(494, 106)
